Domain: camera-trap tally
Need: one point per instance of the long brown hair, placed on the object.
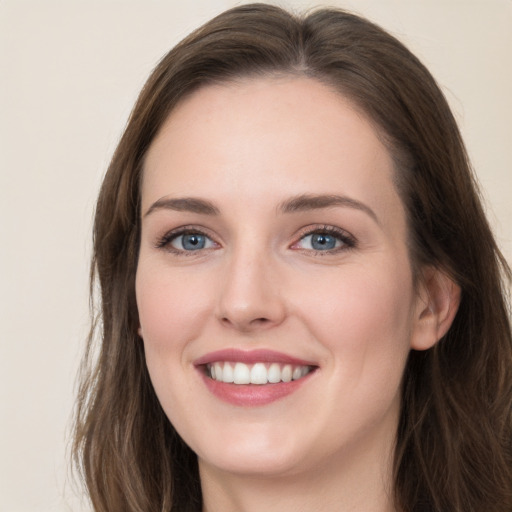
(453, 449)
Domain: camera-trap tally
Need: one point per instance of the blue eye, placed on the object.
(326, 240)
(191, 242)
(322, 242)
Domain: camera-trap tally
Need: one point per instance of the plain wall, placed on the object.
(69, 74)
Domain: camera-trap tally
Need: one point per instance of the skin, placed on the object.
(248, 147)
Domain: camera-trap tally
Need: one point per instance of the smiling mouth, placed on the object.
(259, 373)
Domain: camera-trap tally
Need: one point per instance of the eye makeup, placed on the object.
(317, 240)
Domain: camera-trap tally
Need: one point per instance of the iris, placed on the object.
(322, 242)
(193, 241)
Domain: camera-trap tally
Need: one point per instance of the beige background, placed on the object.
(69, 74)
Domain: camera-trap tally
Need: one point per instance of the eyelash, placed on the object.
(166, 241)
(347, 240)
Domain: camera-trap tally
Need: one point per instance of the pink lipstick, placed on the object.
(251, 378)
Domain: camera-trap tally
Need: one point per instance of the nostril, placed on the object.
(260, 321)
(246, 324)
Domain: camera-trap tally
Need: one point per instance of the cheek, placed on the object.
(171, 311)
(364, 323)
(364, 317)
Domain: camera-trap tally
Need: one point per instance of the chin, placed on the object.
(252, 464)
(253, 454)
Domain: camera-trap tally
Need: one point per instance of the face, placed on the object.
(274, 288)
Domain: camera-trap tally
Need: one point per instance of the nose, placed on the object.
(250, 298)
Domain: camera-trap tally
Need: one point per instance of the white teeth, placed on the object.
(241, 374)
(227, 374)
(286, 373)
(274, 373)
(258, 373)
(218, 371)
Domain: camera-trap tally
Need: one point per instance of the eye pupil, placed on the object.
(320, 241)
(193, 242)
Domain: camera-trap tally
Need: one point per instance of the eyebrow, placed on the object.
(307, 202)
(299, 203)
(184, 204)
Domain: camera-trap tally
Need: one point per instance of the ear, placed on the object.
(139, 331)
(437, 302)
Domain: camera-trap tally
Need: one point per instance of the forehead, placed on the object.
(266, 136)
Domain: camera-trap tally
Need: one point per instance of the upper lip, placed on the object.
(251, 357)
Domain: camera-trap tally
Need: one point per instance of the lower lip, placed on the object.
(252, 395)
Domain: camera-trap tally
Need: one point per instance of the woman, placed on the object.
(302, 304)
